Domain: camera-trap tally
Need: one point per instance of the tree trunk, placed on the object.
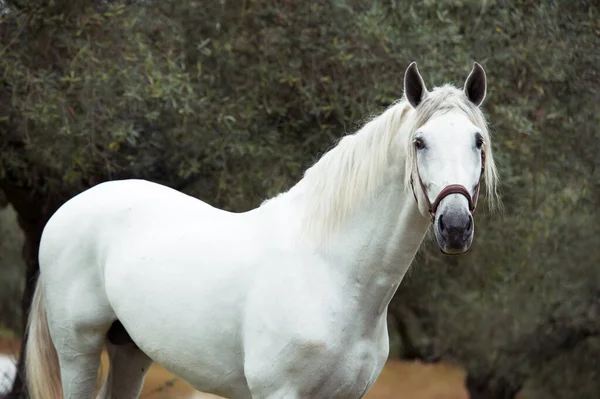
(33, 209)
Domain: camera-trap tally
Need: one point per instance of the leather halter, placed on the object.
(450, 189)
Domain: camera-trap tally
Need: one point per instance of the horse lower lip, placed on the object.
(451, 253)
(453, 244)
(454, 250)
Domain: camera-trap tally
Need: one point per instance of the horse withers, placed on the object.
(288, 300)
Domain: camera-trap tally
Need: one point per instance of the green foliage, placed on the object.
(231, 101)
(96, 93)
(582, 380)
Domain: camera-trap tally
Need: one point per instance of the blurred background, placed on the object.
(229, 101)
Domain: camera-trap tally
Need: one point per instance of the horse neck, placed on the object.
(371, 242)
(376, 246)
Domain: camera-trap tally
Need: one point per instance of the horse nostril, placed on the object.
(441, 224)
(469, 223)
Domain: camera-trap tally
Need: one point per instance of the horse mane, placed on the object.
(353, 170)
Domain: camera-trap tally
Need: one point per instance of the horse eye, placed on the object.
(478, 141)
(419, 143)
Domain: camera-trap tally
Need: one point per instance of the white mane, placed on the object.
(354, 170)
(351, 172)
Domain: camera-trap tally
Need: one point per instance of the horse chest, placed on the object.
(340, 366)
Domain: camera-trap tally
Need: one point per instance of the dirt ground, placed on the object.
(398, 380)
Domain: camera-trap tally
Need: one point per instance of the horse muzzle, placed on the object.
(453, 225)
(454, 228)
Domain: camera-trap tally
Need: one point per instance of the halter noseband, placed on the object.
(450, 189)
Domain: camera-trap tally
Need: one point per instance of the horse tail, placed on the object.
(41, 360)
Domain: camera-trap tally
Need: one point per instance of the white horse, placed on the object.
(288, 300)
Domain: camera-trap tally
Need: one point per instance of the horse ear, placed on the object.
(476, 85)
(414, 86)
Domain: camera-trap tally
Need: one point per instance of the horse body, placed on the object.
(241, 288)
(124, 249)
(288, 300)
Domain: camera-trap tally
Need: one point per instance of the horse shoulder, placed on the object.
(289, 315)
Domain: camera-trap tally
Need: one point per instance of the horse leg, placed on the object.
(61, 362)
(78, 339)
(287, 393)
(78, 318)
(79, 358)
(128, 368)
(265, 384)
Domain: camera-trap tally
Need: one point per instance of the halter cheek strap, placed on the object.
(450, 189)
